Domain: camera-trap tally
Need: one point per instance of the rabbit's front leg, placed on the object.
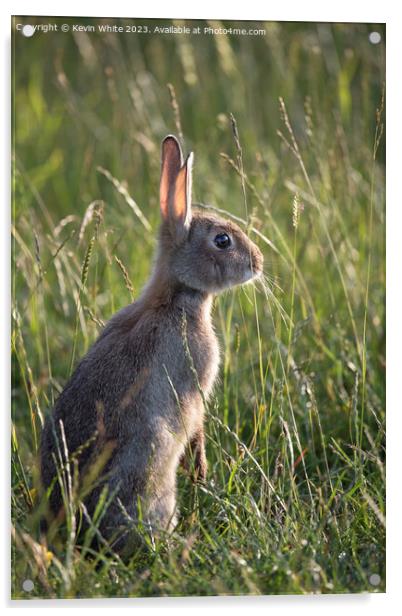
(194, 460)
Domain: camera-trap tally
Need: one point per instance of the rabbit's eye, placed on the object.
(222, 240)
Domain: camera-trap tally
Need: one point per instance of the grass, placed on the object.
(287, 132)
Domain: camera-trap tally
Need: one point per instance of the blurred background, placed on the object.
(89, 112)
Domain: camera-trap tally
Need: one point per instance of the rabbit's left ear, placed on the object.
(172, 162)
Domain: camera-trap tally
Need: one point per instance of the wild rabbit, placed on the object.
(134, 402)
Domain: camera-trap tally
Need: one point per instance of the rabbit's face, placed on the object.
(215, 255)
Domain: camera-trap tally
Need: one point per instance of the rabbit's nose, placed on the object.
(257, 261)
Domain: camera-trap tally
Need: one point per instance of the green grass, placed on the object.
(294, 501)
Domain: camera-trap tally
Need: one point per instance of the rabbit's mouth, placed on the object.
(256, 272)
(252, 273)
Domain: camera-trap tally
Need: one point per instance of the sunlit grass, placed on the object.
(294, 501)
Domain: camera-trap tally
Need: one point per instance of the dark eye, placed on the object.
(222, 240)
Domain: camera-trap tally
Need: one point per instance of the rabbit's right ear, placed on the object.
(172, 161)
(175, 188)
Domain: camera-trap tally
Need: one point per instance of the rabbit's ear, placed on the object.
(172, 161)
(180, 204)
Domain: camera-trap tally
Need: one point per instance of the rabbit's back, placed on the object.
(90, 406)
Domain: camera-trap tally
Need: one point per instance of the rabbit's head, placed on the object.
(201, 251)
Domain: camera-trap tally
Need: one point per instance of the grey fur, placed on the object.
(133, 403)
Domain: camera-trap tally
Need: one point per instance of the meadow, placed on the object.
(287, 130)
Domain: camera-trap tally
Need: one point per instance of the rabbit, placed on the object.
(135, 403)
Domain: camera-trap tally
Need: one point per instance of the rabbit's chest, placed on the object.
(204, 350)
